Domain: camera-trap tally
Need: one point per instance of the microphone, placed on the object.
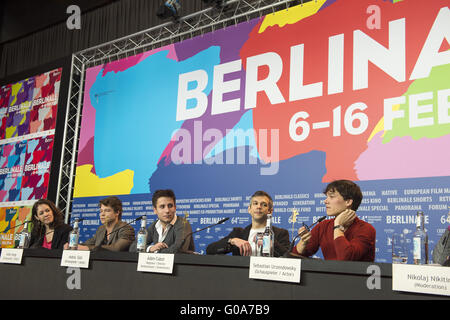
(318, 220)
(300, 234)
(207, 227)
(99, 247)
(18, 225)
(129, 223)
(79, 220)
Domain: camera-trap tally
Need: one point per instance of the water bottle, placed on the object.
(258, 244)
(142, 236)
(420, 240)
(25, 236)
(74, 236)
(268, 238)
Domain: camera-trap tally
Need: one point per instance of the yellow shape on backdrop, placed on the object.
(87, 184)
(380, 125)
(291, 15)
(15, 88)
(3, 225)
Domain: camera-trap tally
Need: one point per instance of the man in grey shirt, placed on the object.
(169, 233)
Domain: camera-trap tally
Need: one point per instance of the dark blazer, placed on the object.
(118, 241)
(60, 237)
(281, 243)
(178, 238)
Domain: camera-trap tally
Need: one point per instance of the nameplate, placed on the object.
(155, 262)
(10, 255)
(275, 269)
(421, 279)
(75, 258)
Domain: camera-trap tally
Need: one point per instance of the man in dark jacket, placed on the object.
(242, 241)
(169, 233)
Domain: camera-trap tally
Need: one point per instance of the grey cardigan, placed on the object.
(178, 238)
(118, 240)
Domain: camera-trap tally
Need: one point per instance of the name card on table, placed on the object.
(155, 262)
(75, 258)
(421, 278)
(10, 255)
(275, 269)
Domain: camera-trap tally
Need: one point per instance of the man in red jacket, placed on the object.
(345, 237)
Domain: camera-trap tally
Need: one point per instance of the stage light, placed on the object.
(170, 8)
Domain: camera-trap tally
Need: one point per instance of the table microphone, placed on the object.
(127, 224)
(18, 225)
(210, 226)
(207, 227)
(99, 247)
(79, 220)
(300, 234)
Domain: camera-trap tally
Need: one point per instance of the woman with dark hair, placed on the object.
(49, 230)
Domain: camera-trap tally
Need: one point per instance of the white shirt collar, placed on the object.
(163, 233)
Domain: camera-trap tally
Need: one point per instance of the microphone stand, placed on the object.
(207, 227)
(99, 248)
(288, 253)
(129, 223)
(17, 225)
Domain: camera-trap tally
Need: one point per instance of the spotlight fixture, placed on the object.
(170, 8)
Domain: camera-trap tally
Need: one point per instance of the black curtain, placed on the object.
(113, 21)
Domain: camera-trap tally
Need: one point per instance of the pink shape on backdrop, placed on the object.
(39, 82)
(404, 157)
(88, 119)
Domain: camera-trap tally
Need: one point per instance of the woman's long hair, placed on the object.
(38, 227)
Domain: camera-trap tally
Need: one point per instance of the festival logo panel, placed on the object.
(27, 124)
(45, 101)
(20, 103)
(13, 159)
(37, 168)
(320, 103)
(283, 103)
(28, 117)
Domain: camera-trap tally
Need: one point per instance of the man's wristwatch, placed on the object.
(339, 227)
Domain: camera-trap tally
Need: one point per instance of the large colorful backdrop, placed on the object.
(28, 116)
(285, 103)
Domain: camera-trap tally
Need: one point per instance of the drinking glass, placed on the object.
(399, 248)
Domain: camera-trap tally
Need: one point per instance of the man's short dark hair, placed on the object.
(261, 193)
(168, 193)
(114, 203)
(348, 190)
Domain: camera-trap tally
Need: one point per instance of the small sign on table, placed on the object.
(155, 262)
(421, 278)
(75, 258)
(10, 255)
(275, 269)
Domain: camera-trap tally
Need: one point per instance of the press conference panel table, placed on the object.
(114, 275)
